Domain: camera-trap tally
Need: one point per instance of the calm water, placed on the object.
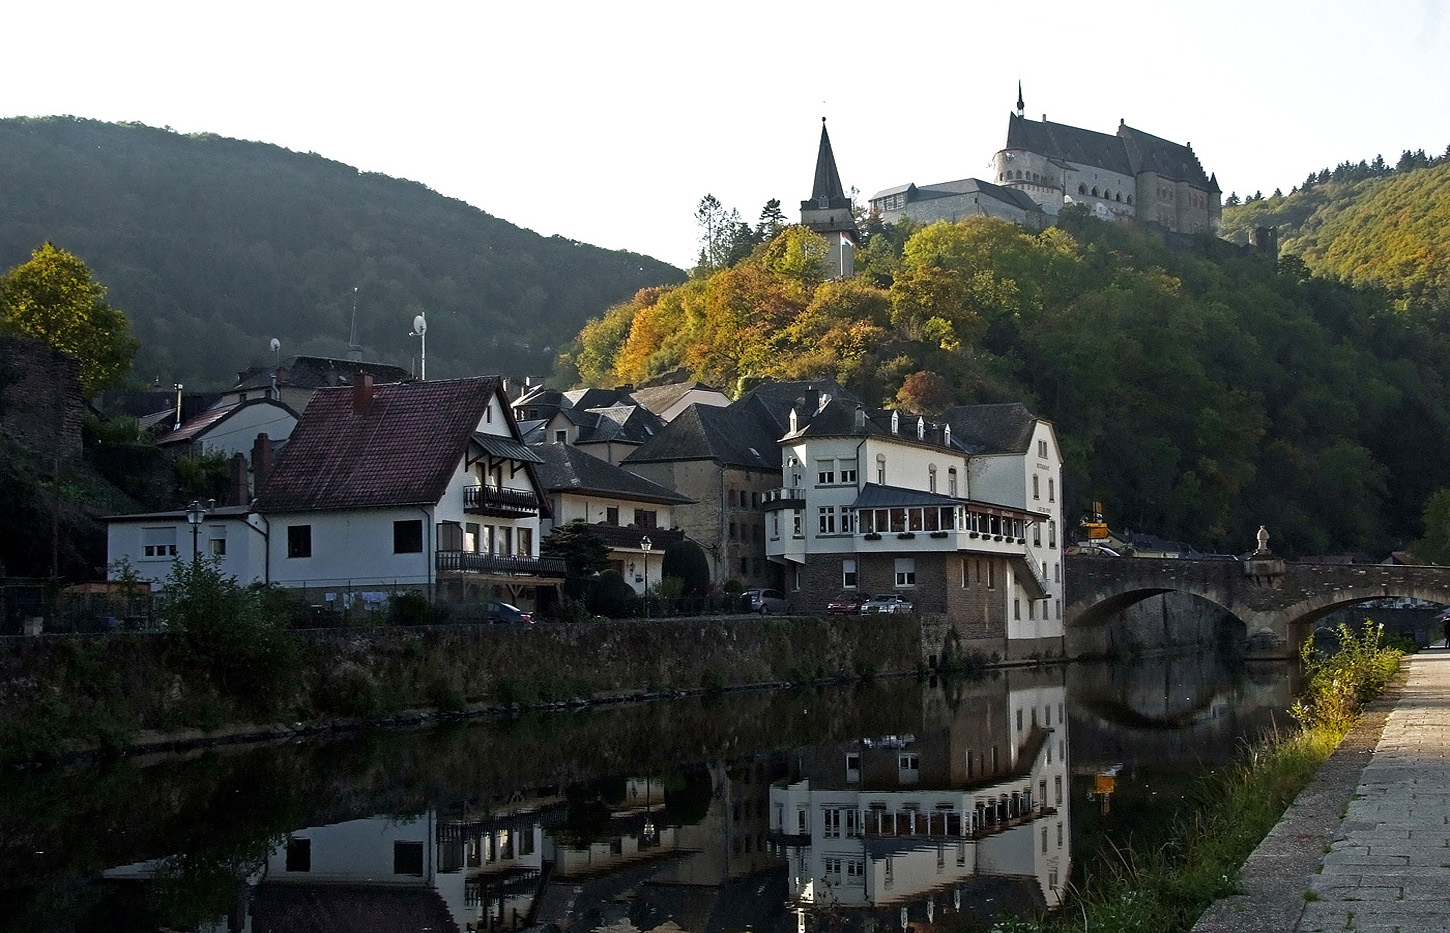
(842, 808)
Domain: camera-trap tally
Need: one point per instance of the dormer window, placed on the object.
(896, 422)
(920, 429)
(794, 422)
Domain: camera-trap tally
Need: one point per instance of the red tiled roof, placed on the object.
(401, 450)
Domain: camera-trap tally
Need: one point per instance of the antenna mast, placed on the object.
(354, 352)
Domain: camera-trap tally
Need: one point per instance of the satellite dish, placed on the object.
(420, 326)
(276, 344)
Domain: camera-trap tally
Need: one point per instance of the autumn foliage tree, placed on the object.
(53, 299)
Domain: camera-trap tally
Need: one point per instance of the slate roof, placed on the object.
(743, 434)
(401, 450)
(1058, 140)
(325, 908)
(316, 372)
(993, 429)
(962, 186)
(827, 182)
(566, 468)
(632, 424)
(212, 417)
(1129, 152)
(660, 398)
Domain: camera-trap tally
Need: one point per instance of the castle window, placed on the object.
(1118, 196)
(1095, 192)
(1082, 189)
(1130, 199)
(1019, 174)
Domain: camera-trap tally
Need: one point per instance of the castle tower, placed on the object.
(828, 212)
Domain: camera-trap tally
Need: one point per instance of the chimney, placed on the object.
(261, 460)
(237, 491)
(362, 392)
(860, 418)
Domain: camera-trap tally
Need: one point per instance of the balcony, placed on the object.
(504, 503)
(789, 497)
(493, 565)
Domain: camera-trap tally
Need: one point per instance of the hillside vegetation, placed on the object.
(1198, 394)
(213, 246)
(1365, 224)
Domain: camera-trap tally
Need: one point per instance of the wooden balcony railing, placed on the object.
(499, 566)
(491, 500)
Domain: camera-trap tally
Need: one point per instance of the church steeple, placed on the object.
(827, 191)
(828, 211)
(1020, 105)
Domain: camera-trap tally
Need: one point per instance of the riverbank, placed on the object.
(1236, 814)
(76, 695)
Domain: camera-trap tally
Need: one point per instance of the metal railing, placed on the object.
(493, 500)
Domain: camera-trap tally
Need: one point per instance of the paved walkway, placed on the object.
(1366, 847)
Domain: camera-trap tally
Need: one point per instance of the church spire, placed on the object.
(1020, 105)
(827, 190)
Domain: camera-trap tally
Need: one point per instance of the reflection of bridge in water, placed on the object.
(1278, 601)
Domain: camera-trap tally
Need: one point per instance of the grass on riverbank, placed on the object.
(1165, 890)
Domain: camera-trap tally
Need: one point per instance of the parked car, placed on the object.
(847, 602)
(887, 602)
(504, 612)
(764, 601)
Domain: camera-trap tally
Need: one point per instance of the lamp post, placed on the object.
(195, 513)
(644, 545)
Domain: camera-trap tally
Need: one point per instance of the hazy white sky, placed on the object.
(607, 122)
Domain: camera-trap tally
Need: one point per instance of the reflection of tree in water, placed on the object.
(687, 796)
(590, 805)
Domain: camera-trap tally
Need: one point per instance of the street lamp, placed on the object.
(644, 545)
(195, 514)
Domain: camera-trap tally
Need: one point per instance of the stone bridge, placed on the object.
(1278, 601)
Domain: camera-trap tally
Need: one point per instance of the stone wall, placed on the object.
(40, 401)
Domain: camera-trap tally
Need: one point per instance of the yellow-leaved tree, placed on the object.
(53, 299)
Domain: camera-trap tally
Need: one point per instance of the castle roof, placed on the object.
(1129, 152)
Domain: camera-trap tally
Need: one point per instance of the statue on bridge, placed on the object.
(1263, 537)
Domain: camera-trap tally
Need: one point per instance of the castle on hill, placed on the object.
(1129, 175)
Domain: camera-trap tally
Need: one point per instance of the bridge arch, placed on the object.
(1278, 602)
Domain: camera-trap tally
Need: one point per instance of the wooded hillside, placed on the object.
(213, 246)
(1196, 393)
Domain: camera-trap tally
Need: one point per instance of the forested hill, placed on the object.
(1368, 224)
(1196, 393)
(213, 246)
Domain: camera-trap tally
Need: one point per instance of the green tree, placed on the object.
(53, 299)
(1434, 547)
(686, 561)
(584, 554)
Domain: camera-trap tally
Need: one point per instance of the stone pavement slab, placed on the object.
(1366, 847)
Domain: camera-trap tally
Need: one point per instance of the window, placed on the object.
(848, 574)
(733, 532)
(1031, 610)
(848, 471)
(952, 482)
(1051, 490)
(299, 854)
(1057, 789)
(931, 478)
(611, 515)
(217, 539)
(825, 472)
(906, 571)
(908, 768)
(561, 437)
(646, 518)
(1035, 493)
(853, 775)
(827, 520)
(408, 858)
(158, 542)
(470, 537)
(966, 573)
(1016, 609)
(408, 536)
(299, 540)
(831, 819)
(1036, 535)
(881, 469)
(795, 525)
(526, 542)
(848, 520)
(1051, 533)
(991, 575)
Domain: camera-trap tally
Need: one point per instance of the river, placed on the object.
(870, 806)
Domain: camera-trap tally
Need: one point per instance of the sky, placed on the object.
(608, 122)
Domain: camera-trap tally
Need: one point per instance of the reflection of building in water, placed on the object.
(972, 807)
